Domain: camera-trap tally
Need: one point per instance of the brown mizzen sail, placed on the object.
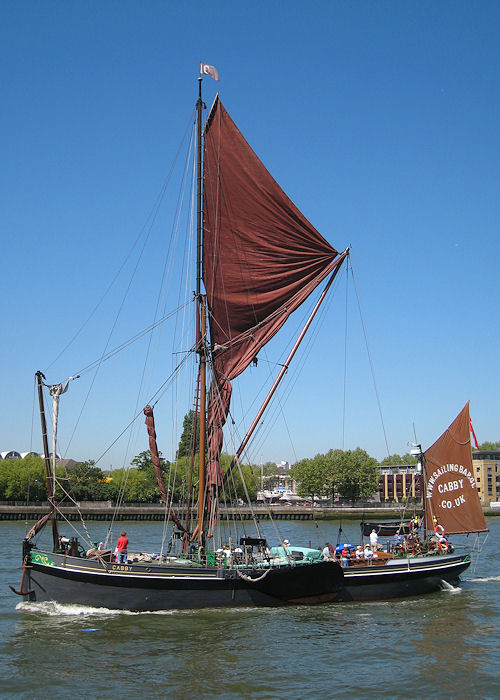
(451, 492)
(155, 458)
(261, 260)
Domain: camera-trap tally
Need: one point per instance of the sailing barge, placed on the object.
(451, 506)
(258, 260)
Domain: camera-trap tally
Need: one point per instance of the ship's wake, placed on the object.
(61, 610)
(449, 588)
(53, 609)
(482, 579)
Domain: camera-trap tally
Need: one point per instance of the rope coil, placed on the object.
(249, 579)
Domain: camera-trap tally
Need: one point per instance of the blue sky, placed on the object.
(379, 119)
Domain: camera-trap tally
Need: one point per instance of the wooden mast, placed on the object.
(427, 526)
(50, 492)
(200, 325)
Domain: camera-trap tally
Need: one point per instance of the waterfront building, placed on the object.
(10, 454)
(400, 482)
(14, 454)
(486, 465)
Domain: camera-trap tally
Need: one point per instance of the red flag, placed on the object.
(473, 435)
(205, 69)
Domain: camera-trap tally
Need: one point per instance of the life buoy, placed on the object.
(439, 529)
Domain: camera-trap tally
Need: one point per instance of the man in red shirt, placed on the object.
(121, 548)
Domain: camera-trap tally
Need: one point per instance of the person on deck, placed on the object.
(121, 548)
(345, 554)
(368, 553)
(327, 552)
(373, 540)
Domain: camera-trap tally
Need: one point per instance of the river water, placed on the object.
(441, 645)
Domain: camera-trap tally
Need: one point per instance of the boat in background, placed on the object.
(386, 528)
(417, 565)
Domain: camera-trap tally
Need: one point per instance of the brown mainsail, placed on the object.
(261, 260)
(451, 493)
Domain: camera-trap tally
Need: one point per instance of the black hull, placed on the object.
(401, 578)
(386, 529)
(148, 588)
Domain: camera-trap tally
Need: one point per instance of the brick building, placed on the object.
(398, 482)
(486, 465)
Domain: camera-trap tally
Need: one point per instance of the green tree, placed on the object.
(141, 488)
(141, 484)
(489, 446)
(396, 459)
(134, 486)
(84, 482)
(190, 435)
(311, 476)
(23, 479)
(358, 474)
(234, 484)
(268, 468)
(144, 463)
(332, 461)
(182, 476)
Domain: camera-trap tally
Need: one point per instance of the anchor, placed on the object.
(20, 591)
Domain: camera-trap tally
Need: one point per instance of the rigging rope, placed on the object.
(281, 397)
(369, 355)
(345, 354)
(131, 340)
(151, 217)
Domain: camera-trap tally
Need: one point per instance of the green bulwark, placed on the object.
(37, 558)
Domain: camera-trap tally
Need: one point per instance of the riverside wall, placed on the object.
(106, 511)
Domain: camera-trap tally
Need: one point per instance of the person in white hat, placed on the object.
(368, 553)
